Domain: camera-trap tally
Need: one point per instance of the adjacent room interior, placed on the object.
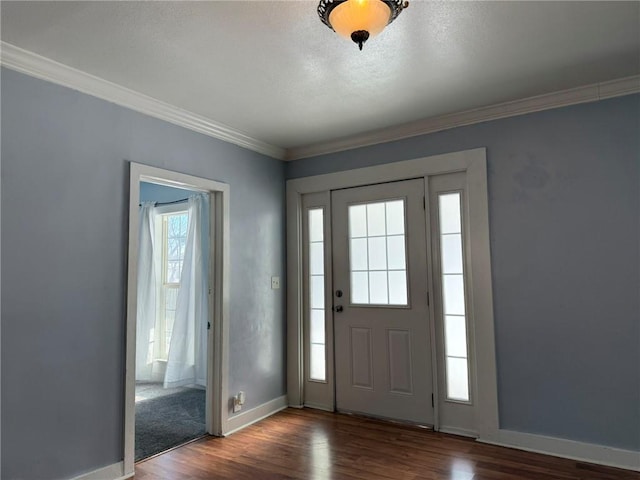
(172, 318)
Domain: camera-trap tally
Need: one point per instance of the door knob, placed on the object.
(337, 308)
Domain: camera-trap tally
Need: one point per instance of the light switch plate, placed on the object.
(275, 283)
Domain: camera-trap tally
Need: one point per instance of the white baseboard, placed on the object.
(110, 472)
(559, 447)
(116, 471)
(255, 415)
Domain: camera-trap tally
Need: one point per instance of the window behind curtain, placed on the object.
(171, 237)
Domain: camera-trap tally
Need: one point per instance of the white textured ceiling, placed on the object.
(273, 71)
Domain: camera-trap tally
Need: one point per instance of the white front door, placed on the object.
(381, 320)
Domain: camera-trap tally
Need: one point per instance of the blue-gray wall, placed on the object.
(65, 182)
(564, 216)
(564, 212)
(152, 192)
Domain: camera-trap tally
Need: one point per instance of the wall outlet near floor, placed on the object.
(238, 401)
(275, 283)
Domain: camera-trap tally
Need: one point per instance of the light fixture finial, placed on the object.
(359, 37)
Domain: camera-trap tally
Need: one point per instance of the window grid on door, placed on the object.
(377, 253)
(453, 297)
(317, 350)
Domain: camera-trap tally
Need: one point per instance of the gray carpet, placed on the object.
(167, 421)
(149, 390)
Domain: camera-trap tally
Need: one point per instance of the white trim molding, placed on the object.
(29, 63)
(110, 472)
(564, 98)
(218, 352)
(487, 427)
(35, 65)
(473, 162)
(242, 420)
(559, 447)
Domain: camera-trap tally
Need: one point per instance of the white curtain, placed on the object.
(146, 343)
(186, 362)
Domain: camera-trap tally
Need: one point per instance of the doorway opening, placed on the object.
(177, 311)
(172, 318)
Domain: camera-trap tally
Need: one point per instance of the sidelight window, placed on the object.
(317, 358)
(453, 292)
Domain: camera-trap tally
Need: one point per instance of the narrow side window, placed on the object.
(317, 347)
(453, 293)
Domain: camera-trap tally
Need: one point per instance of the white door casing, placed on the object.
(478, 275)
(319, 392)
(456, 415)
(483, 408)
(382, 333)
(219, 268)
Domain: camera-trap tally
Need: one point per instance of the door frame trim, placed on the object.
(474, 163)
(219, 268)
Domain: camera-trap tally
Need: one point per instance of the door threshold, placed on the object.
(404, 423)
(193, 440)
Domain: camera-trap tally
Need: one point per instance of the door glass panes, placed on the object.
(397, 287)
(359, 287)
(377, 253)
(458, 374)
(317, 350)
(453, 301)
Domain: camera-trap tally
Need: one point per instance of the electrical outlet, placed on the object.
(238, 401)
(237, 406)
(275, 283)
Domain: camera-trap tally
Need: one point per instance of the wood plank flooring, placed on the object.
(310, 444)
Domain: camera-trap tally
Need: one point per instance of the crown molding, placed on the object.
(573, 96)
(35, 65)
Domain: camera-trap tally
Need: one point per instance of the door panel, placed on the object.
(381, 318)
(361, 359)
(400, 371)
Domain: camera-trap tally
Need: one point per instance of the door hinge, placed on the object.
(433, 405)
(209, 291)
(424, 203)
(428, 300)
(208, 325)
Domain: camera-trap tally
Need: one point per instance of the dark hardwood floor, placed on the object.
(310, 444)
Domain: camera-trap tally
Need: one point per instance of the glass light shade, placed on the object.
(353, 15)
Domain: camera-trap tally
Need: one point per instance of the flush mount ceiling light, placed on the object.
(359, 20)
